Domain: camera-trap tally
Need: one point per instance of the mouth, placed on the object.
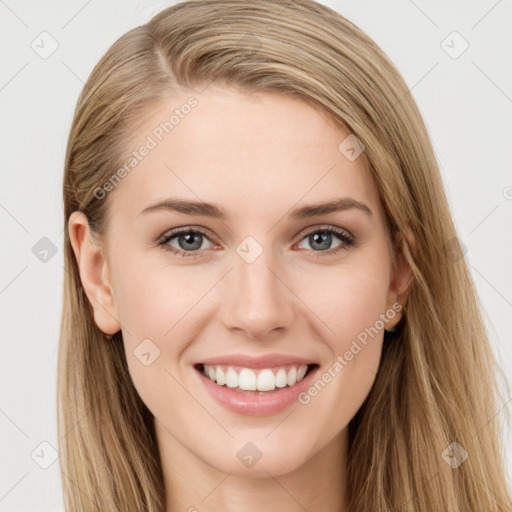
(256, 381)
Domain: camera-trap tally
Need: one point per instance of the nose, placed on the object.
(257, 298)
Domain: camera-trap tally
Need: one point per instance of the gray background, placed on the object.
(465, 98)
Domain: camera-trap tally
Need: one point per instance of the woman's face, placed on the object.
(260, 281)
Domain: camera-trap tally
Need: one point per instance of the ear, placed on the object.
(401, 274)
(94, 273)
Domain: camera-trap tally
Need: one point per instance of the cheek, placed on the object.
(153, 298)
(156, 309)
(348, 299)
(163, 304)
(352, 305)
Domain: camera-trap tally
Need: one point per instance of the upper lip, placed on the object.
(247, 361)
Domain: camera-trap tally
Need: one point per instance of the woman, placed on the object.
(266, 304)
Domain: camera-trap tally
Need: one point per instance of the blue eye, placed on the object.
(190, 241)
(324, 236)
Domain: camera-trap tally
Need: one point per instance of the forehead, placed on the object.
(252, 153)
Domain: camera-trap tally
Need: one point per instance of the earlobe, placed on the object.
(94, 273)
(401, 274)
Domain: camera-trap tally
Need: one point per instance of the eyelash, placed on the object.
(348, 241)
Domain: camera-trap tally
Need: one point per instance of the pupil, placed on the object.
(190, 238)
(325, 237)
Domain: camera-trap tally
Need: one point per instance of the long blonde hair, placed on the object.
(437, 382)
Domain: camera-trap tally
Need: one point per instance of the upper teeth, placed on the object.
(247, 379)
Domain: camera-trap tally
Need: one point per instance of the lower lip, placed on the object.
(251, 404)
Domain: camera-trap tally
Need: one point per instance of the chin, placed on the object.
(265, 460)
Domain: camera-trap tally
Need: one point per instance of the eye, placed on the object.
(321, 238)
(189, 241)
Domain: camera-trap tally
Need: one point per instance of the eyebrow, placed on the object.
(211, 210)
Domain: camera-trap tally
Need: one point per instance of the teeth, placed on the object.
(266, 380)
(301, 372)
(221, 377)
(249, 380)
(231, 378)
(281, 378)
(292, 376)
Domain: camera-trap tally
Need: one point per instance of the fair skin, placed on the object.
(258, 156)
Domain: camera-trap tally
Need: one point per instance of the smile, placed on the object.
(262, 379)
(255, 401)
